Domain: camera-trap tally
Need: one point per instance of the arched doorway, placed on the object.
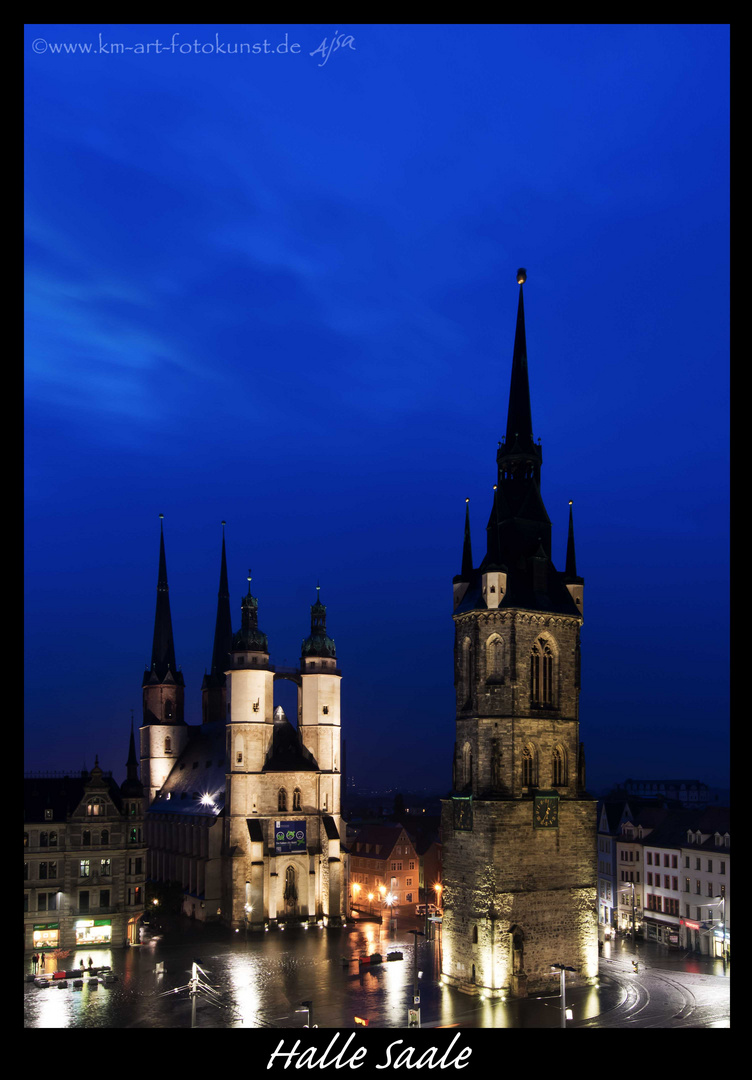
(291, 892)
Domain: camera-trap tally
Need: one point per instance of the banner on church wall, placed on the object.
(289, 836)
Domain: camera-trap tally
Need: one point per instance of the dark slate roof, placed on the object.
(422, 837)
(62, 795)
(198, 772)
(287, 752)
(255, 831)
(613, 808)
(557, 599)
(381, 838)
(332, 831)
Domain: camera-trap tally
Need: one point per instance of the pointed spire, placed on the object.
(163, 646)
(519, 416)
(467, 551)
(571, 566)
(223, 626)
(132, 786)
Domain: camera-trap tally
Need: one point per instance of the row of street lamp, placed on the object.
(388, 898)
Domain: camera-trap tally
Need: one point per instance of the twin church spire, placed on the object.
(163, 671)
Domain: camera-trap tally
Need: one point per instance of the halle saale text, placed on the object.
(395, 1058)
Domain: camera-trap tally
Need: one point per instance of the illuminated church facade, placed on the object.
(244, 809)
(519, 830)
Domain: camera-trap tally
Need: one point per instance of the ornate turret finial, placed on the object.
(521, 276)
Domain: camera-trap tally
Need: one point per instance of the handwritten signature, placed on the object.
(339, 41)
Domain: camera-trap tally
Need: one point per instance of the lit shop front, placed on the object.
(94, 932)
(46, 935)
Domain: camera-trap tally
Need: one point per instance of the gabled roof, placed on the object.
(63, 795)
(381, 839)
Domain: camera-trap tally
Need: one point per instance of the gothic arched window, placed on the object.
(542, 673)
(282, 799)
(494, 659)
(475, 935)
(467, 765)
(296, 799)
(528, 767)
(467, 665)
(559, 767)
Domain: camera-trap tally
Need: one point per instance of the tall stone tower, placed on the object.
(164, 732)
(519, 831)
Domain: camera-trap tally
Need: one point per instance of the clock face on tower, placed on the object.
(546, 811)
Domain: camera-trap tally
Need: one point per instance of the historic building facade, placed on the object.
(519, 831)
(244, 809)
(84, 859)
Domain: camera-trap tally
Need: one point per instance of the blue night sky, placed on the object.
(279, 290)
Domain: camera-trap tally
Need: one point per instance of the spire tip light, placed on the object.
(521, 276)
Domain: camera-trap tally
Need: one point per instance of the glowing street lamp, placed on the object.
(438, 887)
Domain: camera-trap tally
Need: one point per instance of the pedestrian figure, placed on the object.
(41, 962)
(91, 962)
(35, 962)
(82, 967)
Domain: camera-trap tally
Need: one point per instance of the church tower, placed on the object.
(282, 824)
(519, 831)
(164, 732)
